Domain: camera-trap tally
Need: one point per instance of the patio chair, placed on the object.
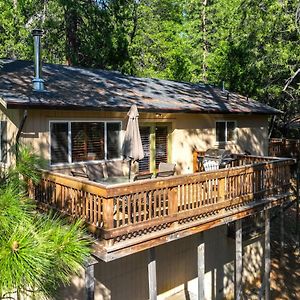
(165, 170)
(211, 165)
(142, 176)
(215, 159)
(80, 174)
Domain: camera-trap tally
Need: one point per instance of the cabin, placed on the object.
(159, 236)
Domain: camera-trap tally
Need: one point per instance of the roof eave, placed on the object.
(18, 105)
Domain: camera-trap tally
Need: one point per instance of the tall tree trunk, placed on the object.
(72, 42)
(205, 42)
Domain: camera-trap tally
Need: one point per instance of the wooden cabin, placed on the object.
(156, 237)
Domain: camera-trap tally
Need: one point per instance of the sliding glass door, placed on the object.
(155, 140)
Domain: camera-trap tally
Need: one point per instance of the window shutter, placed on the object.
(113, 140)
(3, 140)
(144, 164)
(79, 145)
(95, 141)
(161, 145)
(87, 141)
(59, 142)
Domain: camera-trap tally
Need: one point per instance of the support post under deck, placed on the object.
(281, 231)
(238, 260)
(267, 255)
(201, 266)
(152, 275)
(90, 279)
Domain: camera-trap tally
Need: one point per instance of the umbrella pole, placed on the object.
(130, 161)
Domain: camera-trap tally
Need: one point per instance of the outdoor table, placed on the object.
(113, 180)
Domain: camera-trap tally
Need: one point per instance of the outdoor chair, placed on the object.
(80, 174)
(142, 176)
(215, 159)
(165, 170)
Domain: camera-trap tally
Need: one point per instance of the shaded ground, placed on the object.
(285, 274)
(285, 269)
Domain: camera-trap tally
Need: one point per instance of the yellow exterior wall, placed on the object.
(198, 132)
(126, 278)
(13, 118)
(188, 131)
(176, 262)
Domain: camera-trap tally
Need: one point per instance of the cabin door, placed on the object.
(155, 145)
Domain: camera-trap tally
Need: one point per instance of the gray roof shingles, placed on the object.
(92, 89)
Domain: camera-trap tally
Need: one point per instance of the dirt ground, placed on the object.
(285, 271)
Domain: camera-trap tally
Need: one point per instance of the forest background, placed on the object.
(253, 46)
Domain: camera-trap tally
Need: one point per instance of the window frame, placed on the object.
(70, 162)
(226, 128)
(152, 135)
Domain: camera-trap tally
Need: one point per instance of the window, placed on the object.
(83, 141)
(155, 144)
(225, 131)
(3, 141)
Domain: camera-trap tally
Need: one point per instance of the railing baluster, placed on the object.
(173, 198)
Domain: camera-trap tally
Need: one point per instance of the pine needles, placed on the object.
(37, 252)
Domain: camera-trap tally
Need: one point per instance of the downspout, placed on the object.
(19, 133)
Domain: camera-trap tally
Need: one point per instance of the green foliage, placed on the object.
(37, 252)
(252, 45)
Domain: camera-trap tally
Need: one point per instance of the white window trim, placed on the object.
(234, 134)
(70, 163)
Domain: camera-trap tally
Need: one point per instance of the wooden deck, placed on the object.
(284, 148)
(130, 217)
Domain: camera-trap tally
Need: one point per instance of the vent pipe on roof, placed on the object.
(38, 82)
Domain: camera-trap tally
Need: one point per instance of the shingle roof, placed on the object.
(90, 89)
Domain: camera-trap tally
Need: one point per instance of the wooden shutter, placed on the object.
(113, 140)
(87, 141)
(144, 164)
(59, 142)
(161, 145)
(95, 140)
(79, 145)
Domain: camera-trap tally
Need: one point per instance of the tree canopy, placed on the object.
(250, 45)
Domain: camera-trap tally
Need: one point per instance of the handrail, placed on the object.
(126, 210)
(284, 147)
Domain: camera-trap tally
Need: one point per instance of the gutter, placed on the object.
(16, 105)
(19, 133)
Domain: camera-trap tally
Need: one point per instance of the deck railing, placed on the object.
(284, 148)
(150, 208)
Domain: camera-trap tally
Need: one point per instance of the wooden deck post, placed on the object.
(221, 189)
(152, 275)
(89, 279)
(173, 201)
(108, 213)
(201, 266)
(238, 260)
(281, 230)
(267, 255)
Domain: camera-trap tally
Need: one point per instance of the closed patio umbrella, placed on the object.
(132, 146)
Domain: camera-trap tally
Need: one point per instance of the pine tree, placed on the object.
(38, 252)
